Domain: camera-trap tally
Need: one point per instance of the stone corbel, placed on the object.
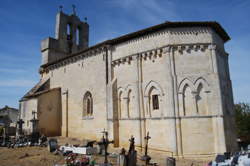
(92, 52)
(188, 48)
(158, 52)
(123, 60)
(149, 54)
(154, 54)
(180, 49)
(202, 47)
(99, 50)
(166, 50)
(64, 63)
(134, 57)
(119, 61)
(212, 47)
(195, 47)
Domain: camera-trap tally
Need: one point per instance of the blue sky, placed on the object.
(23, 24)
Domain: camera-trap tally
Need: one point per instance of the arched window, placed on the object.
(154, 98)
(87, 104)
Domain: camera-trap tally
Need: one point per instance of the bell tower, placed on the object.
(71, 36)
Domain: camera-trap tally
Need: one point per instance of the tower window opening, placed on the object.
(68, 31)
(78, 35)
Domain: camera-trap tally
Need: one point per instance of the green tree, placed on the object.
(242, 115)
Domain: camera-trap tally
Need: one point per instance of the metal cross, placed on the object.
(74, 9)
(146, 148)
(132, 144)
(60, 8)
(20, 123)
(34, 114)
(106, 142)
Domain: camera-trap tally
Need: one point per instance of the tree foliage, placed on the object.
(242, 115)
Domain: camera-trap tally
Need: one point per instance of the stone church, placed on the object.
(171, 80)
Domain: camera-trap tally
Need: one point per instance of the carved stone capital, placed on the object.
(194, 94)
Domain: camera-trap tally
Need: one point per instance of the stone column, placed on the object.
(109, 92)
(138, 96)
(171, 96)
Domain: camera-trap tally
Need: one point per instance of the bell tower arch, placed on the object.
(71, 36)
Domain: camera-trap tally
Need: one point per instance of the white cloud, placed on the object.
(150, 11)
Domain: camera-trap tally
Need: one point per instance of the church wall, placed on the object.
(197, 136)
(49, 113)
(192, 62)
(199, 101)
(153, 74)
(27, 106)
(129, 124)
(168, 36)
(76, 78)
(227, 94)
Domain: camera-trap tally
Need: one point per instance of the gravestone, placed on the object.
(34, 122)
(132, 153)
(20, 127)
(122, 159)
(170, 161)
(129, 159)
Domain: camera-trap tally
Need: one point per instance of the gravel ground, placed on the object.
(39, 156)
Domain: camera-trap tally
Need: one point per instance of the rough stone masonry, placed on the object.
(171, 80)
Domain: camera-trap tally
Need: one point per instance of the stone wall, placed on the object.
(27, 106)
(49, 113)
(75, 79)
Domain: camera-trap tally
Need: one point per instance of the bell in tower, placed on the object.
(71, 36)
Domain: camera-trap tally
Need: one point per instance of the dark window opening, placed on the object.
(68, 29)
(87, 104)
(78, 36)
(69, 35)
(89, 107)
(155, 102)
